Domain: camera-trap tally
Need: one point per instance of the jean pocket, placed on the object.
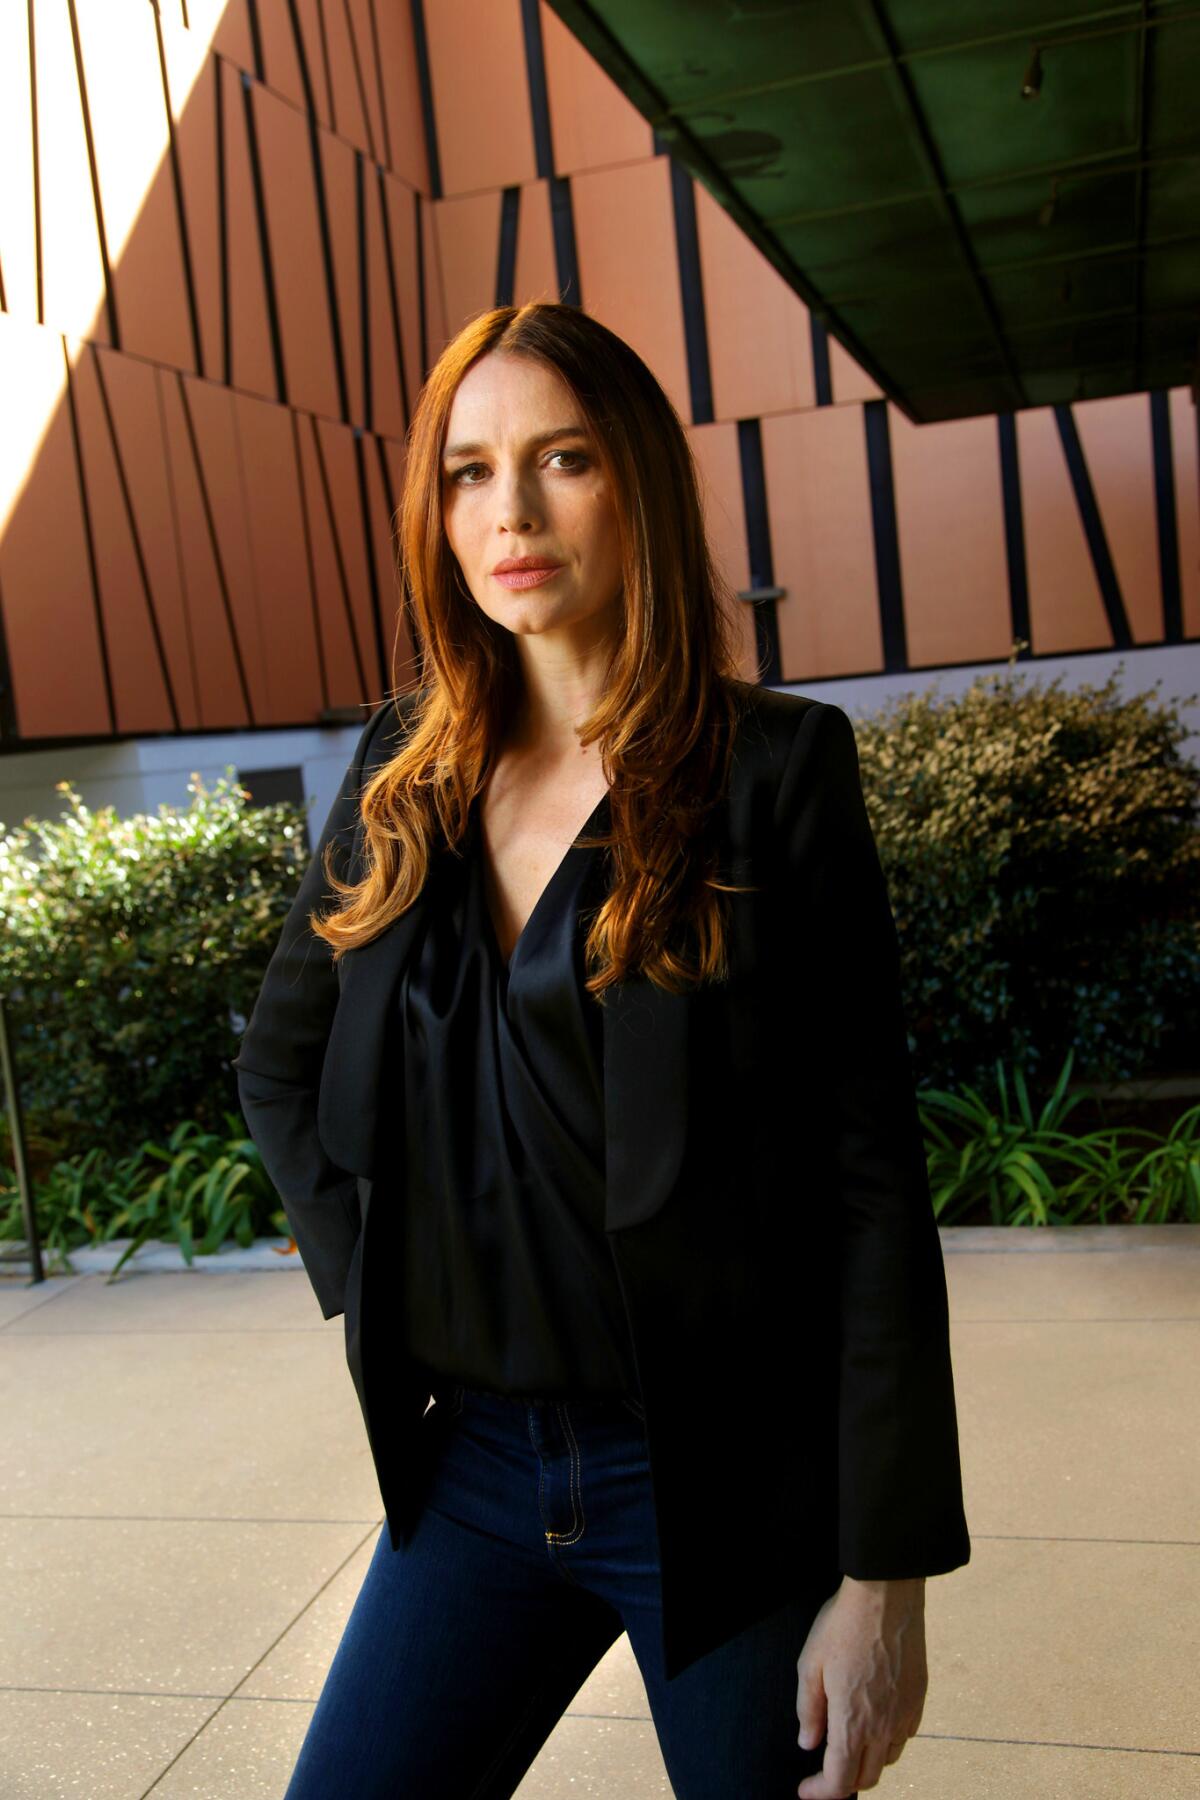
(635, 1407)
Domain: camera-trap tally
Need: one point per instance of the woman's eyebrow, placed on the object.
(535, 443)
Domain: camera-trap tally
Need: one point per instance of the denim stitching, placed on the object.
(578, 1461)
(576, 1488)
(541, 1468)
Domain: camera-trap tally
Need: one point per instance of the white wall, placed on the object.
(138, 774)
(1175, 668)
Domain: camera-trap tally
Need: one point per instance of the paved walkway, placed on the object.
(188, 1506)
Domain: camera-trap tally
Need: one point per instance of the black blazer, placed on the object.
(768, 1205)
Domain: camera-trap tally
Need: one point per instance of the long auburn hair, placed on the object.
(671, 697)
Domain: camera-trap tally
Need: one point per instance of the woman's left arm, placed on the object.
(900, 1503)
(861, 1683)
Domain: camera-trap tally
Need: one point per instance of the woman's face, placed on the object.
(521, 478)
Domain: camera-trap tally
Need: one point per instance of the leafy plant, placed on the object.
(1162, 1184)
(73, 1201)
(197, 1190)
(1030, 1171)
(209, 1188)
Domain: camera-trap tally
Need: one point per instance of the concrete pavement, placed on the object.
(188, 1506)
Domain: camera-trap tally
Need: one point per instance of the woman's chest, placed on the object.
(525, 833)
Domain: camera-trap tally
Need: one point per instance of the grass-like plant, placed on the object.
(197, 1190)
(1029, 1170)
(209, 1188)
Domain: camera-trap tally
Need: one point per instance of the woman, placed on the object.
(590, 1103)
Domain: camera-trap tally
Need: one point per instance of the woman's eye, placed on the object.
(577, 456)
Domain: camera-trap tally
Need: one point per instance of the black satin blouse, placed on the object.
(508, 1280)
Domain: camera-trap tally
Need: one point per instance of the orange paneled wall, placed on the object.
(213, 327)
(240, 239)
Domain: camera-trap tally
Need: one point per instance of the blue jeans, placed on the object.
(535, 1548)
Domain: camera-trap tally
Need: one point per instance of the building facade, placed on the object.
(234, 234)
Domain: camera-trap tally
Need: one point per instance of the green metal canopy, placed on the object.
(992, 204)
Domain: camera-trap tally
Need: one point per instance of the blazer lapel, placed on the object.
(645, 1035)
(361, 1057)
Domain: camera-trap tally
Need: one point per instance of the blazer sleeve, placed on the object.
(900, 1503)
(282, 1052)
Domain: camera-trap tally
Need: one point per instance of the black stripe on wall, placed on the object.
(822, 379)
(394, 611)
(562, 224)
(562, 213)
(36, 161)
(1093, 528)
(117, 462)
(758, 546)
(222, 222)
(1014, 535)
(318, 176)
(185, 241)
(214, 545)
(364, 286)
(380, 95)
(389, 263)
(326, 69)
(428, 117)
(94, 173)
(314, 604)
(334, 520)
(422, 309)
(539, 97)
(691, 286)
(256, 44)
(883, 526)
(506, 258)
(368, 551)
(264, 241)
(327, 264)
(1165, 514)
(361, 84)
(90, 543)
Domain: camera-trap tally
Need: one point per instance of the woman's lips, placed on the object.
(526, 578)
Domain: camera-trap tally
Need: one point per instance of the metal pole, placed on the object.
(12, 1100)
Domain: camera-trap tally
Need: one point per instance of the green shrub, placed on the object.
(1041, 852)
(131, 952)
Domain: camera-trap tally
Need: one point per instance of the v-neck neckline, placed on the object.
(506, 962)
